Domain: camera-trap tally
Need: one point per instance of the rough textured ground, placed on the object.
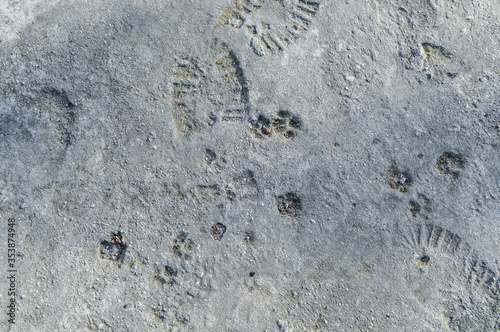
(253, 165)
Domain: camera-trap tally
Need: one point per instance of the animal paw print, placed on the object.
(181, 245)
(165, 276)
(286, 124)
(419, 208)
(261, 127)
(398, 180)
(283, 124)
(290, 21)
(450, 164)
(288, 204)
(217, 231)
(112, 250)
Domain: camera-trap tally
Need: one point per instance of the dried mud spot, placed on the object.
(450, 164)
(217, 231)
(431, 60)
(112, 250)
(423, 260)
(435, 60)
(419, 208)
(181, 246)
(367, 270)
(398, 180)
(288, 204)
(280, 23)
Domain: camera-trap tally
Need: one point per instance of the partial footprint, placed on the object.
(231, 84)
(450, 164)
(187, 86)
(204, 93)
(477, 309)
(428, 236)
(483, 277)
(448, 277)
(233, 15)
(272, 25)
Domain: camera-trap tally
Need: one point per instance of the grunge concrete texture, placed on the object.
(252, 165)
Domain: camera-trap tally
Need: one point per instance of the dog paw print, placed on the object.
(450, 164)
(419, 208)
(165, 275)
(217, 231)
(288, 204)
(112, 250)
(261, 128)
(284, 124)
(398, 180)
(181, 246)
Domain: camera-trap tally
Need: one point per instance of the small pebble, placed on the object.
(349, 78)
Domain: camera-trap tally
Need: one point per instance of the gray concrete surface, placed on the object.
(253, 165)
